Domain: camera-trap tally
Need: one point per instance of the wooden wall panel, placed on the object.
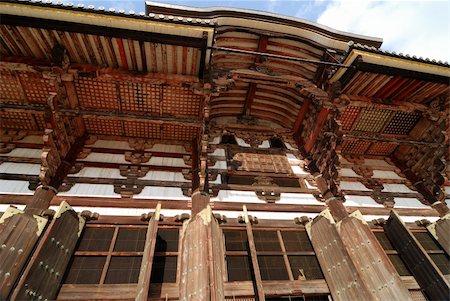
(416, 259)
(339, 271)
(19, 233)
(372, 263)
(441, 232)
(43, 275)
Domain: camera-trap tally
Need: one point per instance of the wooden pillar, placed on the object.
(372, 263)
(440, 230)
(19, 233)
(339, 270)
(427, 275)
(147, 257)
(251, 243)
(43, 274)
(41, 200)
(202, 258)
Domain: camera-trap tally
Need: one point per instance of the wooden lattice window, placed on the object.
(164, 267)
(434, 250)
(281, 254)
(107, 254)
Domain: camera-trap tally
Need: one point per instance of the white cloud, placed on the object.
(420, 28)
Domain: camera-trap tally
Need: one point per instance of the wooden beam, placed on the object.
(71, 113)
(147, 257)
(315, 132)
(249, 99)
(386, 138)
(298, 125)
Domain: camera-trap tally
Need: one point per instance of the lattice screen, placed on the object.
(142, 129)
(104, 126)
(96, 94)
(373, 120)
(381, 148)
(349, 116)
(140, 98)
(17, 120)
(263, 163)
(9, 88)
(179, 101)
(36, 87)
(353, 146)
(402, 123)
(178, 132)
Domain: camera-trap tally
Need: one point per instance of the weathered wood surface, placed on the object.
(98, 292)
(44, 272)
(416, 259)
(147, 258)
(340, 273)
(198, 259)
(441, 232)
(372, 263)
(19, 233)
(258, 286)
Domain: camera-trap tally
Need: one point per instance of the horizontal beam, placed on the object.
(15, 199)
(380, 138)
(14, 63)
(5, 107)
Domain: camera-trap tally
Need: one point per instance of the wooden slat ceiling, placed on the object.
(100, 50)
(388, 87)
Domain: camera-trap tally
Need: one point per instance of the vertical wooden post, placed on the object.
(202, 258)
(427, 275)
(43, 274)
(147, 257)
(440, 230)
(251, 244)
(372, 263)
(41, 200)
(339, 270)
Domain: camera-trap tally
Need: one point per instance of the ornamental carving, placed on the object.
(137, 157)
(133, 172)
(266, 190)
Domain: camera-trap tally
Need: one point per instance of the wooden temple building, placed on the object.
(216, 154)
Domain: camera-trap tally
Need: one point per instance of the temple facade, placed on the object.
(217, 154)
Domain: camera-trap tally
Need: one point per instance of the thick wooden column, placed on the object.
(427, 275)
(202, 258)
(440, 230)
(338, 268)
(147, 258)
(19, 233)
(372, 263)
(43, 274)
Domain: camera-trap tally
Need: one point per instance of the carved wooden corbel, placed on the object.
(84, 153)
(140, 145)
(137, 157)
(128, 190)
(266, 190)
(133, 172)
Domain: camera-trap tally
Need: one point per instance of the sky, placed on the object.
(420, 28)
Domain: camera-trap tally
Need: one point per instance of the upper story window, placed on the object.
(228, 139)
(276, 143)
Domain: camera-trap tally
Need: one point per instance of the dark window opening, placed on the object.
(239, 268)
(85, 270)
(272, 268)
(306, 266)
(235, 240)
(442, 261)
(96, 239)
(296, 241)
(276, 143)
(130, 240)
(384, 241)
(228, 139)
(266, 241)
(167, 240)
(427, 241)
(399, 265)
(164, 269)
(123, 269)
